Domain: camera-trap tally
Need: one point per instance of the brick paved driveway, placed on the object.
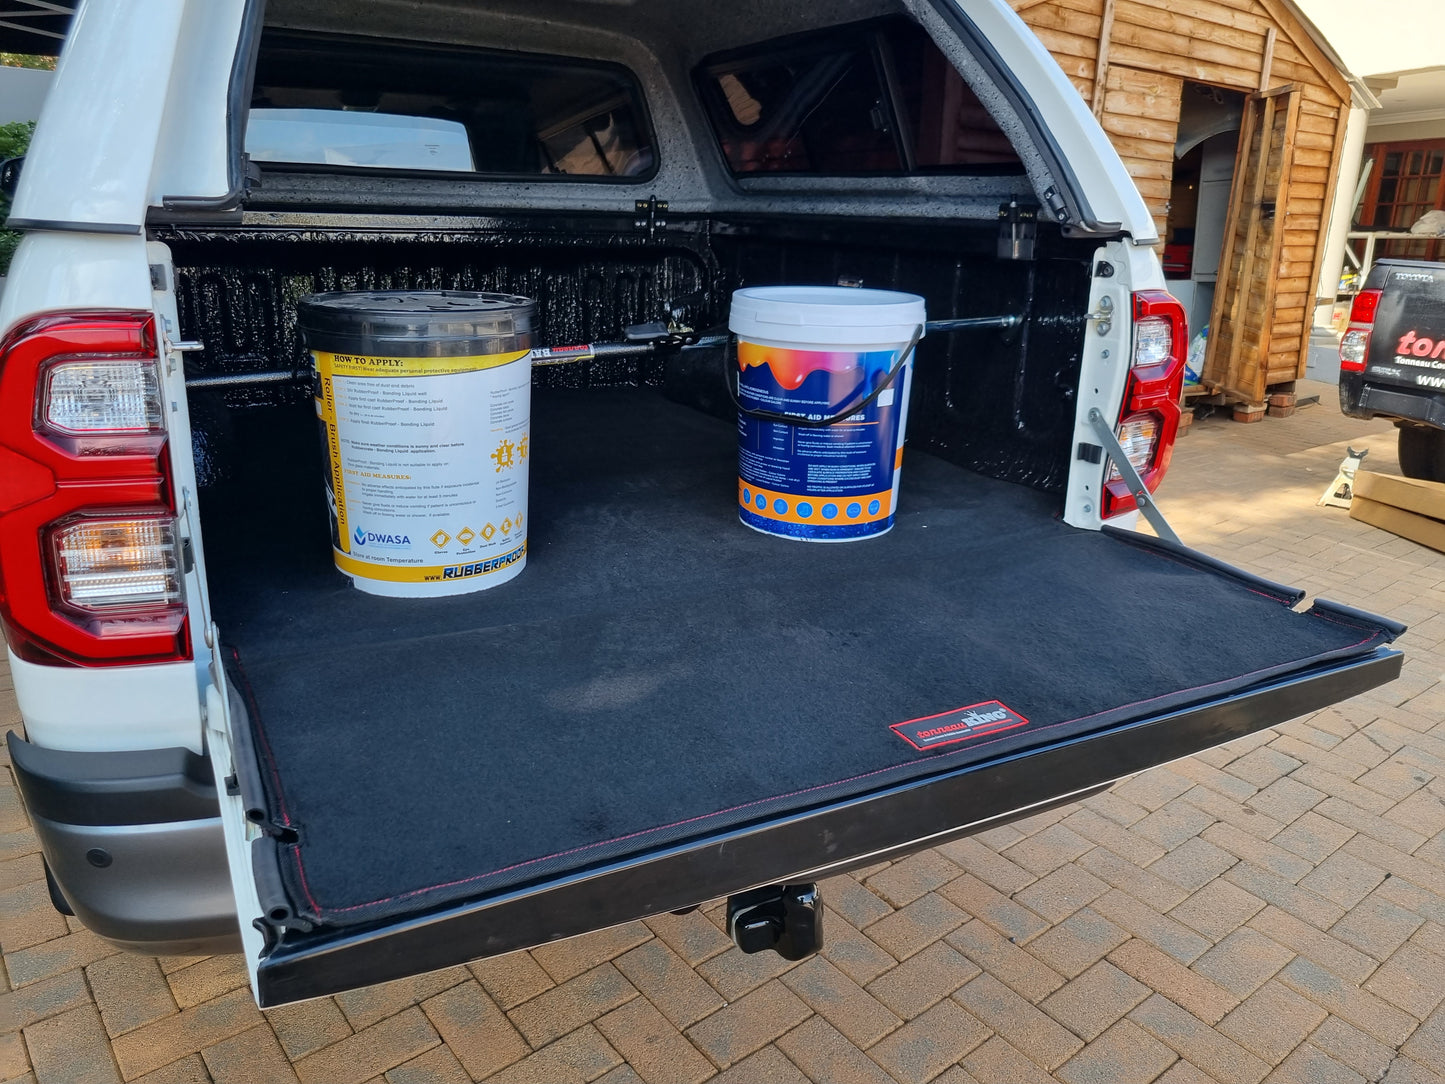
(1274, 909)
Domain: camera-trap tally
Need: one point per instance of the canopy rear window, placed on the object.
(868, 98)
(355, 104)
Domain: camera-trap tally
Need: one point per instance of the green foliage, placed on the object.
(14, 139)
(25, 60)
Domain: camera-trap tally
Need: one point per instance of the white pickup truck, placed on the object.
(228, 746)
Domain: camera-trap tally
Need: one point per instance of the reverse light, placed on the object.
(1355, 343)
(91, 557)
(93, 397)
(113, 565)
(1149, 416)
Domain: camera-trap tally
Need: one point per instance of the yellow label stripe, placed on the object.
(365, 365)
(423, 573)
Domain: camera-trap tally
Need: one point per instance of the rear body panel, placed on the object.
(1404, 375)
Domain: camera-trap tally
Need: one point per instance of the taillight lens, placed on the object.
(107, 566)
(90, 552)
(1355, 343)
(1149, 417)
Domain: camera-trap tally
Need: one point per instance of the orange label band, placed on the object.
(818, 511)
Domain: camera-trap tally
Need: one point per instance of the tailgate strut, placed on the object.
(1104, 433)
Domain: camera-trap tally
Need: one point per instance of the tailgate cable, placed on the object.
(1104, 433)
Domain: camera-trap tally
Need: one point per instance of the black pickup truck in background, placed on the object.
(1392, 360)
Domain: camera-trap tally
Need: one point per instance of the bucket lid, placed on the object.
(825, 315)
(417, 323)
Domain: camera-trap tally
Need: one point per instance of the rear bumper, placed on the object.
(1360, 399)
(884, 824)
(134, 842)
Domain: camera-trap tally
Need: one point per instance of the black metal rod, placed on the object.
(568, 355)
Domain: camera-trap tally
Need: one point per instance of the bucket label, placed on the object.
(427, 464)
(829, 482)
(961, 724)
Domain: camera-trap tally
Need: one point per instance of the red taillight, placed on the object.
(1355, 343)
(1149, 417)
(89, 547)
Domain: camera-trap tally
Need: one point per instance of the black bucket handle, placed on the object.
(730, 366)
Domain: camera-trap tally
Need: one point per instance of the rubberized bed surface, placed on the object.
(659, 670)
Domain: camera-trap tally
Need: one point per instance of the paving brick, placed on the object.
(17, 843)
(918, 925)
(130, 991)
(734, 972)
(1029, 1029)
(1330, 782)
(188, 1070)
(516, 977)
(768, 1066)
(29, 917)
(50, 997)
(1144, 922)
(249, 1057)
(1344, 879)
(1126, 1052)
(1114, 837)
(14, 1061)
(930, 1043)
(1021, 970)
(1307, 940)
(654, 1048)
(1412, 979)
(903, 882)
(308, 1026)
(437, 1066)
(1361, 1008)
(1047, 850)
(573, 1059)
(691, 935)
(676, 989)
(1011, 919)
(1309, 1065)
(1350, 1046)
(1181, 1072)
(1193, 864)
(842, 1002)
(1243, 961)
(480, 1036)
(1272, 888)
(210, 978)
(1153, 789)
(1206, 775)
(172, 1037)
(1405, 1070)
(1313, 837)
(1089, 1004)
(369, 1004)
(987, 865)
(1427, 1045)
(1075, 944)
(996, 1061)
(1368, 824)
(371, 1051)
(1424, 810)
(1241, 818)
(624, 1074)
(21, 870)
(824, 1055)
(1263, 766)
(731, 1034)
(1217, 909)
(553, 1014)
(846, 897)
(923, 980)
(567, 959)
(1059, 894)
(1376, 926)
(1200, 1044)
(1286, 800)
(1397, 778)
(1171, 825)
(853, 953)
(1147, 887)
(71, 1048)
(1273, 1021)
(1428, 876)
(1164, 974)
(1258, 851)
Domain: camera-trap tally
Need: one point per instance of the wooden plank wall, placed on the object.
(1152, 47)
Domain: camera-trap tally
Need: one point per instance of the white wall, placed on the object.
(22, 92)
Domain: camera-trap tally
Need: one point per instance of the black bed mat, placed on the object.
(659, 671)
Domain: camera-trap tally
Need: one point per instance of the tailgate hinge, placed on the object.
(1104, 433)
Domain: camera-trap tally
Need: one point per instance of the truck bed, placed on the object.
(659, 671)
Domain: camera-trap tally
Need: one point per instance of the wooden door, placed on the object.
(1240, 325)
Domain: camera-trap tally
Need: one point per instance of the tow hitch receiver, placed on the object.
(785, 918)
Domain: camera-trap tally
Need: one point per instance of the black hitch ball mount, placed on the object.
(785, 918)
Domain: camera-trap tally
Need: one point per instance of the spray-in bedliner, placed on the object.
(661, 671)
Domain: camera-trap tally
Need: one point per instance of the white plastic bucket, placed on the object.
(425, 407)
(805, 355)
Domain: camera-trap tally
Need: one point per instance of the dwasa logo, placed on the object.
(365, 538)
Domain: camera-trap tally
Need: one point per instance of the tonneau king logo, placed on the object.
(958, 725)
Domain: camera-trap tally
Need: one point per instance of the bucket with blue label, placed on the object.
(822, 379)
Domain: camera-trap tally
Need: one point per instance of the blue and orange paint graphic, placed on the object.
(828, 483)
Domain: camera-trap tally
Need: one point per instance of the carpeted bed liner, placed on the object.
(659, 671)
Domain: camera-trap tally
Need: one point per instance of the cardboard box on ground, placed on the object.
(1408, 507)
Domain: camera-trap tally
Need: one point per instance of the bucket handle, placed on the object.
(730, 367)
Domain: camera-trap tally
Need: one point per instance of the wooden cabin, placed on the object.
(1230, 115)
